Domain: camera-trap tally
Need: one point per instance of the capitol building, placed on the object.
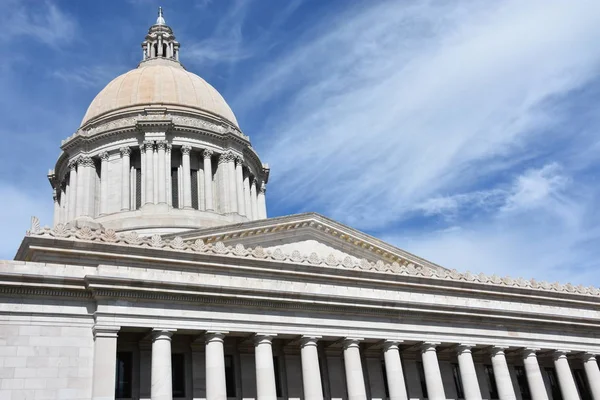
(162, 277)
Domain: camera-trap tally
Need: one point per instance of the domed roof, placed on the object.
(159, 82)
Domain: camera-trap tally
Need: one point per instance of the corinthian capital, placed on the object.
(104, 156)
(72, 165)
(223, 158)
(263, 188)
(186, 149)
(238, 160)
(161, 144)
(85, 161)
(169, 147)
(125, 151)
(207, 153)
(149, 144)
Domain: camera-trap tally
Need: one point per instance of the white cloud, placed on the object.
(44, 22)
(95, 76)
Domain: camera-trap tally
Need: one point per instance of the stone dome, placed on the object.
(159, 82)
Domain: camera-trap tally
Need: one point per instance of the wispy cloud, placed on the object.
(88, 77)
(44, 22)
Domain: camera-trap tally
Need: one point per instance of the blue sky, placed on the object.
(465, 132)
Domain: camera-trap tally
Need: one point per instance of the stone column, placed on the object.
(103, 183)
(56, 215)
(81, 197)
(223, 183)
(105, 362)
(262, 201)
(239, 180)
(265, 371)
(208, 186)
(433, 376)
(593, 374)
(169, 189)
(161, 146)
(247, 202)
(467, 372)
(161, 387)
(125, 178)
(534, 375)
(72, 212)
(64, 203)
(187, 176)
(149, 179)
(216, 388)
(233, 202)
(311, 375)
(253, 199)
(393, 370)
(506, 390)
(565, 376)
(355, 380)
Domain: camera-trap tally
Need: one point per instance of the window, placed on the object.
(422, 379)
(522, 381)
(230, 377)
(124, 373)
(457, 381)
(277, 376)
(178, 374)
(138, 188)
(556, 394)
(582, 385)
(175, 187)
(491, 382)
(194, 189)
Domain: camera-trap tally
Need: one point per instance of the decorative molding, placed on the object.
(161, 145)
(405, 267)
(149, 145)
(125, 151)
(207, 153)
(263, 188)
(85, 161)
(186, 149)
(104, 156)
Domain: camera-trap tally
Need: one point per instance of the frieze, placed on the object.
(405, 267)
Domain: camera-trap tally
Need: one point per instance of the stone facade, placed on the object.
(147, 287)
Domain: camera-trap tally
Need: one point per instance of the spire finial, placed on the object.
(160, 20)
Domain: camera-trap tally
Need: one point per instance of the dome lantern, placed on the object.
(160, 41)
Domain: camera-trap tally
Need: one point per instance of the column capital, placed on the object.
(207, 153)
(238, 160)
(262, 188)
(587, 356)
(185, 149)
(391, 344)
(162, 334)
(530, 351)
(497, 350)
(105, 331)
(464, 348)
(262, 338)
(149, 144)
(85, 161)
(429, 346)
(72, 165)
(352, 342)
(560, 354)
(125, 151)
(161, 145)
(215, 336)
(169, 146)
(309, 340)
(104, 156)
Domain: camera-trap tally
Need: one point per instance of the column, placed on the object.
(216, 388)
(311, 375)
(355, 380)
(222, 183)
(467, 372)
(208, 186)
(56, 219)
(265, 371)
(155, 174)
(160, 47)
(262, 201)
(72, 212)
(168, 183)
(506, 390)
(187, 176)
(162, 182)
(565, 376)
(103, 183)
(80, 201)
(431, 367)
(247, 202)
(105, 362)
(239, 178)
(534, 375)
(149, 178)
(161, 387)
(394, 373)
(233, 203)
(64, 203)
(253, 199)
(593, 374)
(143, 177)
(125, 178)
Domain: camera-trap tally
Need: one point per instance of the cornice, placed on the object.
(405, 267)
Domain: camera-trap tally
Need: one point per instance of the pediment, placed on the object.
(306, 234)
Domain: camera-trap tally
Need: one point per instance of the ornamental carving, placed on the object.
(104, 156)
(207, 153)
(263, 188)
(185, 149)
(161, 145)
(125, 151)
(85, 161)
(405, 267)
(149, 145)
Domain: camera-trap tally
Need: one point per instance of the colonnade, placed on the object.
(161, 378)
(232, 188)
